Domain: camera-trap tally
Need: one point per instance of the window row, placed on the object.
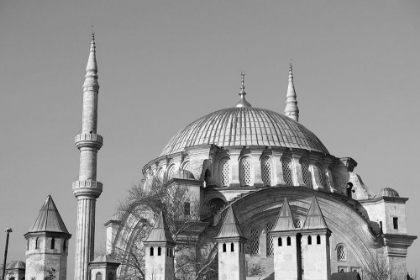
(254, 239)
(52, 243)
(232, 247)
(169, 252)
(267, 172)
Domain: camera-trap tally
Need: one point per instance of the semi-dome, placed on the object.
(245, 126)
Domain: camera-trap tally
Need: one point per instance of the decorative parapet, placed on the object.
(89, 140)
(87, 188)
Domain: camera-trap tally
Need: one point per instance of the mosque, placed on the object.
(282, 202)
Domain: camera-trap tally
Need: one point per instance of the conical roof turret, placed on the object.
(49, 219)
(291, 110)
(285, 220)
(230, 227)
(160, 232)
(91, 77)
(314, 217)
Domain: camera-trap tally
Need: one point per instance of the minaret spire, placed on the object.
(291, 110)
(87, 189)
(242, 93)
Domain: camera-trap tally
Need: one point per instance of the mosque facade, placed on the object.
(281, 200)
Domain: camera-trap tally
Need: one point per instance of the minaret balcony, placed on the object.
(87, 188)
(89, 140)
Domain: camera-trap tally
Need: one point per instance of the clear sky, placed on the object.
(163, 64)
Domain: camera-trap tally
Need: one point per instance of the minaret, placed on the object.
(87, 189)
(242, 102)
(291, 110)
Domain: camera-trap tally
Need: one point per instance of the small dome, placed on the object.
(245, 126)
(388, 192)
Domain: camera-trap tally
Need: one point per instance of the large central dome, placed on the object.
(245, 126)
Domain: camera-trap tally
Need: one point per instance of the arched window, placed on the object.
(151, 251)
(232, 247)
(110, 276)
(298, 223)
(341, 253)
(171, 172)
(224, 247)
(321, 175)
(160, 175)
(224, 172)
(159, 251)
(64, 245)
(186, 166)
(309, 240)
(37, 241)
(245, 171)
(255, 241)
(27, 244)
(289, 241)
(318, 239)
(187, 208)
(98, 276)
(207, 177)
(266, 171)
(287, 171)
(306, 174)
(52, 243)
(279, 242)
(269, 240)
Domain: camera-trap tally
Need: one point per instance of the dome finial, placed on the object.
(291, 110)
(242, 93)
(242, 83)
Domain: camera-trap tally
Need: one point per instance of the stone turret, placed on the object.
(47, 245)
(286, 244)
(231, 251)
(291, 110)
(159, 252)
(87, 189)
(103, 267)
(315, 244)
(15, 270)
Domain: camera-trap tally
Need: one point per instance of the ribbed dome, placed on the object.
(388, 192)
(246, 126)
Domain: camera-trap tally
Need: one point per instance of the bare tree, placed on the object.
(379, 269)
(195, 250)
